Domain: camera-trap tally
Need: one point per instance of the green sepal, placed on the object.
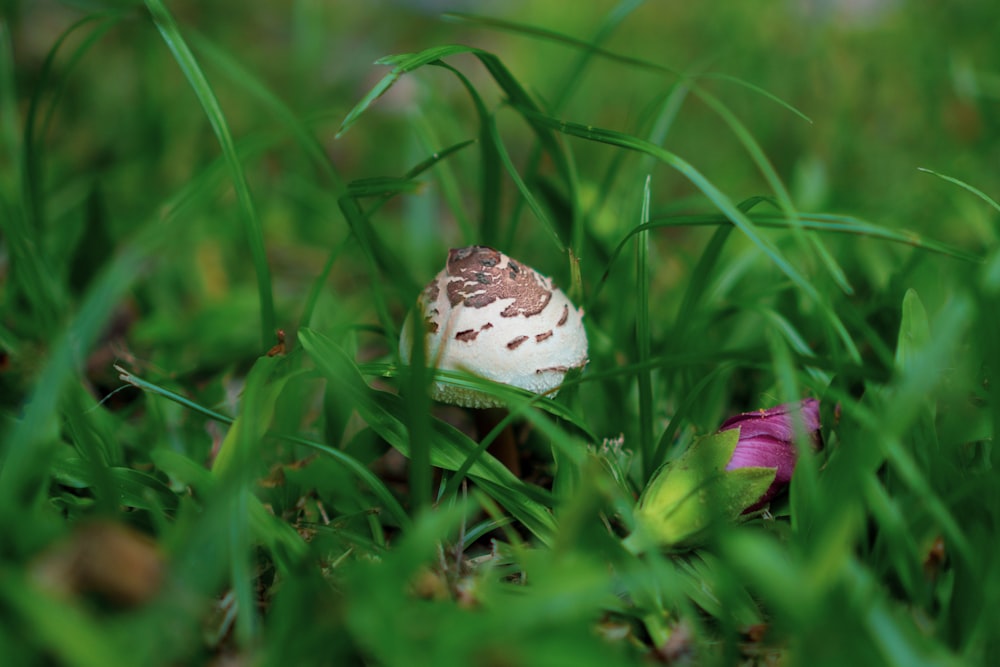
(689, 494)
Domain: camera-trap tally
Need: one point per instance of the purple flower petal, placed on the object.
(767, 440)
(777, 421)
(765, 452)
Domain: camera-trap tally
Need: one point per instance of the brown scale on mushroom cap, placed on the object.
(481, 275)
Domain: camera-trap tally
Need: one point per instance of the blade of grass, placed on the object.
(824, 222)
(925, 367)
(804, 482)
(32, 166)
(522, 187)
(97, 448)
(728, 78)
(693, 297)
(490, 157)
(380, 409)
(169, 30)
(793, 339)
(26, 442)
(436, 157)
(669, 109)
(31, 277)
(699, 281)
(106, 21)
(642, 339)
(11, 146)
(381, 186)
(560, 38)
(455, 481)
(415, 381)
(965, 186)
(401, 64)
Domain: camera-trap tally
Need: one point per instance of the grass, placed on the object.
(770, 205)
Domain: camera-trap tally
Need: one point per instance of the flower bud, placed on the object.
(767, 440)
(720, 477)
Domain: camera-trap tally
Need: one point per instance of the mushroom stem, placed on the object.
(504, 448)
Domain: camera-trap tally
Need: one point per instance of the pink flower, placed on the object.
(767, 440)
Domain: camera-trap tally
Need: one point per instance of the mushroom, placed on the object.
(498, 319)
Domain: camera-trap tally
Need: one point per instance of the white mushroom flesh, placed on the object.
(496, 318)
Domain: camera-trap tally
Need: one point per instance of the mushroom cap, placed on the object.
(496, 318)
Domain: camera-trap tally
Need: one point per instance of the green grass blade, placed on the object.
(316, 289)
(381, 186)
(401, 64)
(438, 156)
(965, 186)
(691, 398)
(32, 167)
(642, 339)
(827, 222)
(26, 443)
(106, 21)
(9, 144)
(491, 159)
(522, 187)
(609, 24)
(728, 78)
(171, 34)
(32, 279)
(415, 383)
(699, 281)
(559, 38)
